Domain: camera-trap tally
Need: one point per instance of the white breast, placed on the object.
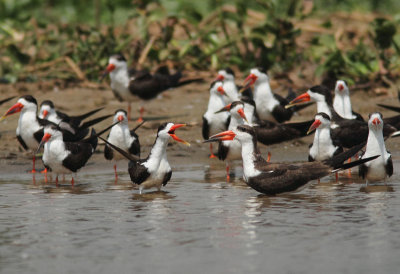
(27, 126)
(53, 156)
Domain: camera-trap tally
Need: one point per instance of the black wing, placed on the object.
(135, 147)
(38, 135)
(138, 172)
(21, 141)
(79, 155)
(108, 152)
(389, 166)
(166, 178)
(205, 129)
(222, 151)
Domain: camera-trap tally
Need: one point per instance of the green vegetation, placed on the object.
(47, 39)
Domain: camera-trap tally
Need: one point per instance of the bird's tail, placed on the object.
(300, 126)
(94, 121)
(337, 161)
(86, 115)
(189, 81)
(354, 163)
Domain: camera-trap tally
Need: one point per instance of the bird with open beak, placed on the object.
(155, 170)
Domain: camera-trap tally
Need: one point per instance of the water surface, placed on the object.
(198, 224)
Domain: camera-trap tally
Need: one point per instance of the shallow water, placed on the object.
(199, 224)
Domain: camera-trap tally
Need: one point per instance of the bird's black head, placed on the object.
(322, 90)
(214, 83)
(29, 98)
(248, 100)
(247, 129)
(47, 103)
(324, 115)
(119, 57)
(229, 71)
(262, 69)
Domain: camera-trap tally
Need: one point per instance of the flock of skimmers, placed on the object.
(237, 118)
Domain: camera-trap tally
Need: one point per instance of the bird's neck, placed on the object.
(322, 106)
(250, 154)
(120, 77)
(235, 121)
(375, 144)
(231, 90)
(342, 106)
(262, 89)
(216, 102)
(157, 153)
(322, 138)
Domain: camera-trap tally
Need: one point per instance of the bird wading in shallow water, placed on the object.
(382, 167)
(275, 178)
(124, 138)
(155, 170)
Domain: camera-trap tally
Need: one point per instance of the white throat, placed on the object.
(342, 105)
(248, 157)
(157, 153)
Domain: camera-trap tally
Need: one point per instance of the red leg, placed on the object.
(33, 164)
(269, 157)
(57, 181)
(45, 178)
(72, 182)
(349, 170)
(115, 172)
(140, 119)
(211, 152)
(337, 176)
(228, 177)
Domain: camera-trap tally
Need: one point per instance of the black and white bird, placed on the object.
(275, 178)
(30, 127)
(215, 122)
(323, 147)
(47, 111)
(268, 132)
(155, 170)
(342, 102)
(382, 167)
(270, 106)
(231, 150)
(349, 132)
(128, 84)
(62, 157)
(124, 138)
(227, 76)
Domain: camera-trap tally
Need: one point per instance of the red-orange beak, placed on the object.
(221, 90)
(46, 137)
(171, 132)
(45, 113)
(241, 113)
(225, 108)
(120, 118)
(109, 68)
(314, 126)
(376, 121)
(340, 87)
(219, 77)
(300, 99)
(250, 80)
(228, 135)
(14, 109)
